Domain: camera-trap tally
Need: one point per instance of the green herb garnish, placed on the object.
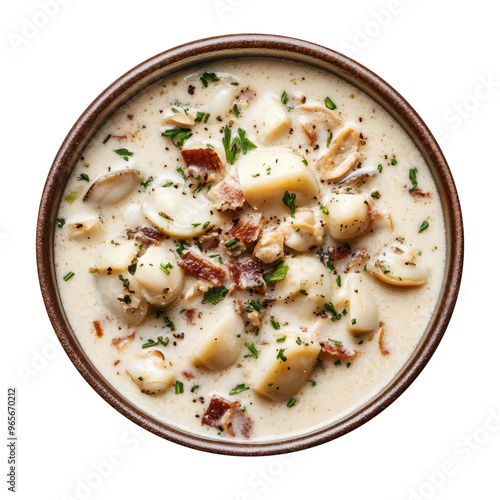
(61, 222)
(166, 268)
(289, 201)
(108, 137)
(69, 276)
(239, 388)
(208, 77)
(281, 355)
(413, 178)
(179, 387)
(424, 226)
(329, 104)
(202, 117)
(236, 145)
(83, 177)
(252, 349)
(274, 323)
(178, 135)
(277, 274)
(148, 181)
(124, 153)
(214, 295)
(291, 403)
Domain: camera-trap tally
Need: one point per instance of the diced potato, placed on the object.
(266, 175)
(349, 216)
(219, 98)
(220, 346)
(117, 256)
(363, 313)
(271, 119)
(180, 214)
(279, 379)
(150, 373)
(160, 278)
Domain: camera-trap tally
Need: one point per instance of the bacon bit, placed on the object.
(227, 416)
(236, 422)
(187, 374)
(98, 328)
(116, 362)
(248, 227)
(203, 162)
(210, 241)
(247, 274)
(418, 193)
(227, 195)
(337, 253)
(383, 349)
(339, 351)
(246, 95)
(190, 313)
(119, 137)
(146, 236)
(202, 268)
(120, 343)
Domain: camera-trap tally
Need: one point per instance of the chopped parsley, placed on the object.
(258, 307)
(126, 282)
(331, 309)
(214, 295)
(208, 77)
(274, 323)
(239, 388)
(413, 178)
(168, 324)
(168, 184)
(183, 174)
(284, 98)
(329, 265)
(108, 137)
(329, 140)
(61, 222)
(394, 161)
(313, 383)
(380, 168)
(338, 343)
(69, 276)
(181, 246)
(383, 269)
(324, 210)
(289, 201)
(127, 299)
(299, 341)
(166, 268)
(83, 177)
(277, 274)
(202, 117)
(231, 242)
(375, 194)
(281, 340)
(339, 281)
(281, 355)
(329, 104)
(179, 387)
(159, 341)
(305, 162)
(148, 181)
(236, 145)
(424, 226)
(195, 388)
(178, 135)
(205, 226)
(253, 351)
(291, 403)
(304, 292)
(124, 153)
(236, 111)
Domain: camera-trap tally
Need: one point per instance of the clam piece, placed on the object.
(326, 116)
(121, 295)
(363, 313)
(348, 217)
(263, 174)
(113, 187)
(271, 119)
(283, 368)
(269, 248)
(221, 345)
(150, 373)
(308, 285)
(179, 213)
(160, 278)
(117, 256)
(400, 264)
(304, 232)
(84, 230)
(179, 119)
(342, 154)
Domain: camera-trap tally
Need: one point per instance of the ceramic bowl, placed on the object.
(240, 46)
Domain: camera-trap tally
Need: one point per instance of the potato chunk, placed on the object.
(265, 175)
(349, 216)
(272, 120)
(117, 256)
(363, 314)
(150, 373)
(284, 367)
(220, 346)
(160, 278)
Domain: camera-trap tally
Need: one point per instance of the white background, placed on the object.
(438, 56)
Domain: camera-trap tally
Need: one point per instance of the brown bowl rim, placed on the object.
(223, 47)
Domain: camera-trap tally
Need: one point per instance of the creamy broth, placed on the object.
(334, 317)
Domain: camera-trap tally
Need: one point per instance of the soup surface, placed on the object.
(250, 249)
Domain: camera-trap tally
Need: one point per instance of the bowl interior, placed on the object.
(239, 46)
